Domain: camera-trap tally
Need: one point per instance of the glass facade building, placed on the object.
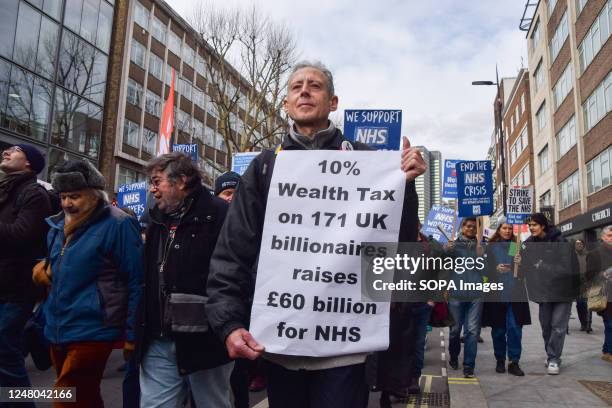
(53, 69)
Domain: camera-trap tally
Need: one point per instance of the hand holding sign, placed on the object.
(412, 162)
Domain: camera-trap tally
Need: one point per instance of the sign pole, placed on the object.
(454, 234)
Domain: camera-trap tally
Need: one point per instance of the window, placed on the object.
(551, 6)
(596, 37)
(200, 66)
(546, 199)
(72, 17)
(599, 171)
(74, 120)
(185, 88)
(535, 36)
(149, 141)
(566, 137)
(138, 54)
(134, 92)
(188, 54)
(156, 65)
(543, 159)
(183, 121)
(538, 76)
(563, 86)
(82, 68)
(130, 133)
(519, 145)
(522, 177)
(559, 37)
(220, 143)
(569, 191)
(141, 16)
(89, 20)
(211, 108)
(579, 6)
(198, 130)
(598, 103)
(158, 30)
(198, 97)
(153, 104)
(129, 176)
(209, 136)
(169, 75)
(174, 43)
(541, 116)
(105, 23)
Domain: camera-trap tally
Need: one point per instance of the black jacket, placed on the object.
(550, 268)
(598, 261)
(233, 267)
(186, 271)
(23, 231)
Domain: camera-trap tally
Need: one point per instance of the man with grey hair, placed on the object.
(94, 271)
(174, 342)
(599, 271)
(296, 381)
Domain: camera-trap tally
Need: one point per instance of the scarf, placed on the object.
(318, 141)
(9, 181)
(42, 277)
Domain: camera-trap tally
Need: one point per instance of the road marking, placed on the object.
(427, 387)
(441, 333)
(443, 356)
(442, 343)
(262, 404)
(444, 373)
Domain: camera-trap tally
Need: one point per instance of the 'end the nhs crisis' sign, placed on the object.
(378, 128)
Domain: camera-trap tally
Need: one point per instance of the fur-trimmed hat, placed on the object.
(76, 175)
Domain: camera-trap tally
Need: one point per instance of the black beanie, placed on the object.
(229, 179)
(34, 156)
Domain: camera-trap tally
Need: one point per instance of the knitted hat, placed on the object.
(34, 156)
(229, 179)
(76, 175)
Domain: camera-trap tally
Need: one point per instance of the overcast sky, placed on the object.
(414, 55)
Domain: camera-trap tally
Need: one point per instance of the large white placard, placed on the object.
(321, 206)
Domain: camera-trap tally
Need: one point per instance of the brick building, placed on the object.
(570, 63)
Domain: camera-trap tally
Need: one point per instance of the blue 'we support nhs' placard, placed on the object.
(134, 197)
(449, 182)
(380, 129)
(191, 150)
(474, 188)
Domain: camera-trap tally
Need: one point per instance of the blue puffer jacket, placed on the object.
(466, 248)
(96, 278)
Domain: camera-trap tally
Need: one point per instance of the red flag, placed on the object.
(167, 122)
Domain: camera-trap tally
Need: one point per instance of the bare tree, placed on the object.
(250, 57)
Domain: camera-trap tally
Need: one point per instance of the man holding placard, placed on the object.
(306, 373)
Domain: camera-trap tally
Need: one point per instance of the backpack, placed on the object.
(54, 198)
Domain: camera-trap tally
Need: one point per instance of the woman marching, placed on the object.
(502, 312)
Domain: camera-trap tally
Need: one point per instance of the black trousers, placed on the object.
(341, 387)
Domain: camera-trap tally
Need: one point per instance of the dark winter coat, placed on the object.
(186, 271)
(465, 248)
(550, 268)
(22, 235)
(598, 261)
(232, 280)
(496, 303)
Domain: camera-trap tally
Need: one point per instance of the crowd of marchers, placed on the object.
(175, 290)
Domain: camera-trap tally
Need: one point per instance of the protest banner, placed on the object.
(519, 204)
(449, 182)
(191, 150)
(134, 197)
(241, 161)
(440, 217)
(474, 188)
(307, 299)
(379, 129)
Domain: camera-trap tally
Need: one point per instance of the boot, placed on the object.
(385, 400)
(501, 366)
(413, 387)
(514, 369)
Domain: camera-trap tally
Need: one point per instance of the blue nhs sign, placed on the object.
(378, 128)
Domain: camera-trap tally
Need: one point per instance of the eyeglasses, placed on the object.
(155, 183)
(13, 149)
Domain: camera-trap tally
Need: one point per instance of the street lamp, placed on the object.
(499, 104)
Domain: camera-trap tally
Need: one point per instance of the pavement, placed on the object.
(582, 370)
